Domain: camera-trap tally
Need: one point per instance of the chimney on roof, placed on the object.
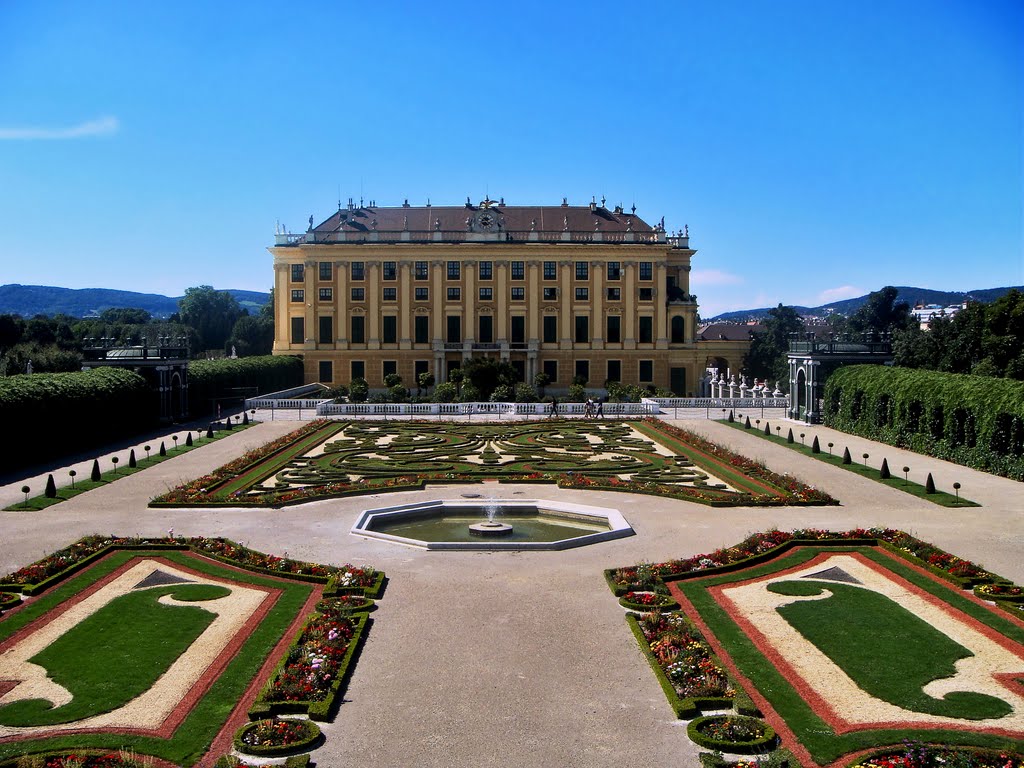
(405, 203)
(593, 204)
(501, 202)
(351, 205)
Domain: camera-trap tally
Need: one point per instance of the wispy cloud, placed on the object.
(714, 277)
(104, 126)
(838, 294)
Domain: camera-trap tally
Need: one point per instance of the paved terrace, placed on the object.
(520, 659)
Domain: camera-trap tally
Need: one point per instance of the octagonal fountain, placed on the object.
(496, 524)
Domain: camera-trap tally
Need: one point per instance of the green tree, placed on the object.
(212, 313)
(425, 381)
(252, 335)
(541, 381)
(358, 390)
(768, 347)
(881, 313)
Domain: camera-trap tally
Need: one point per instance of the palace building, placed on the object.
(570, 291)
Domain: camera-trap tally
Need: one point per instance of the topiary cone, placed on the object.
(188, 439)
(51, 488)
(131, 459)
(929, 484)
(209, 431)
(746, 424)
(95, 476)
(245, 417)
(815, 447)
(731, 419)
(884, 471)
(227, 423)
(767, 429)
(163, 449)
(789, 437)
(847, 459)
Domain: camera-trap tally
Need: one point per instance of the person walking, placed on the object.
(554, 408)
(600, 408)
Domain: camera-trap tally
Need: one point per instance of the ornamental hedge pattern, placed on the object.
(326, 459)
(977, 421)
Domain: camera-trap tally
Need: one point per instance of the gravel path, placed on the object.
(521, 659)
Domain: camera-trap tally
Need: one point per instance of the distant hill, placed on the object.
(30, 300)
(905, 293)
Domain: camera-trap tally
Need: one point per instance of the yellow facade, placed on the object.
(611, 304)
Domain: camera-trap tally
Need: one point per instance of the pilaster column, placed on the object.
(629, 298)
(597, 323)
(341, 289)
(660, 306)
(373, 305)
(565, 320)
(437, 301)
(404, 303)
(502, 302)
(282, 295)
(469, 319)
(310, 296)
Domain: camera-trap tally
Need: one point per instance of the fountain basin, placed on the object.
(530, 524)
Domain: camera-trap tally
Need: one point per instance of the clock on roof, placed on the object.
(485, 221)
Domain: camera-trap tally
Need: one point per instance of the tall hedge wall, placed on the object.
(977, 421)
(228, 378)
(46, 415)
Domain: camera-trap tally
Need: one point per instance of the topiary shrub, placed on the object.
(746, 424)
(95, 475)
(847, 458)
(245, 417)
(188, 439)
(51, 488)
(731, 418)
(789, 437)
(163, 449)
(209, 431)
(884, 471)
(767, 429)
(815, 446)
(131, 459)
(929, 484)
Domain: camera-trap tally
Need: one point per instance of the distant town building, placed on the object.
(924, 313)
(570, 291)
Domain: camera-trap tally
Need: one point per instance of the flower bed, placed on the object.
(345, 604)
(233, 761)
(124, 758)
(732, 733)
(316, 666)
(914, 755)
(9, 600)
(1010, 593)
(647, 601)
(276, 737)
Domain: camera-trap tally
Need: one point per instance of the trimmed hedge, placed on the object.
(210, 380)
(765, 743)
(310, 739)
(55, 414)
(977, 421)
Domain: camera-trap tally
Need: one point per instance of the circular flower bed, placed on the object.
(9, 600)
(276, 737)
(647, 601)
(345, 604)
(1009, 592)
(732, 733)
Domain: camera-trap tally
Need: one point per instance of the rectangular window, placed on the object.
(519, 366)
(582, 335)
(613, 329)
(388, 367)
(421, 270)
(518, 294)
(358, 330)
(550, 329)
(298, 330)
(454, 270)
(298, 273)
(614, 294)
(390, 294)
(486, 270)
(358, 270)
(326, 335)
(486, 335)
(646, 370)
(582, 294)
(550, 270)
(390, 328)
(646, 329)
(358, 369)
(582, 371)
(454, 329)
(582, 270)
(614, 370)
(614, 270)
(518, 329)
(421, 325)
(550, 294)
(486, 294)
(646, 270)
(646, 294)
(325, 372)
(390, 270)
(454, 294)
(518, 270)
(326, 270)
(358, 294)
(298, 294)
(422, 294)
(551, 369)
(326, 294)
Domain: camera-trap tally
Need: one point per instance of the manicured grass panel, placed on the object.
(200, 728)
(810, 730)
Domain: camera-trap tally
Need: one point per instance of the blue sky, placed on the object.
(817, 150)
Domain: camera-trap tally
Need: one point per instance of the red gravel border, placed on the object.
(819, 705)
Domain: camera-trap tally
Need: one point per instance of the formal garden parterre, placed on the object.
(326, 459)
(864, 647)
(155, 651)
